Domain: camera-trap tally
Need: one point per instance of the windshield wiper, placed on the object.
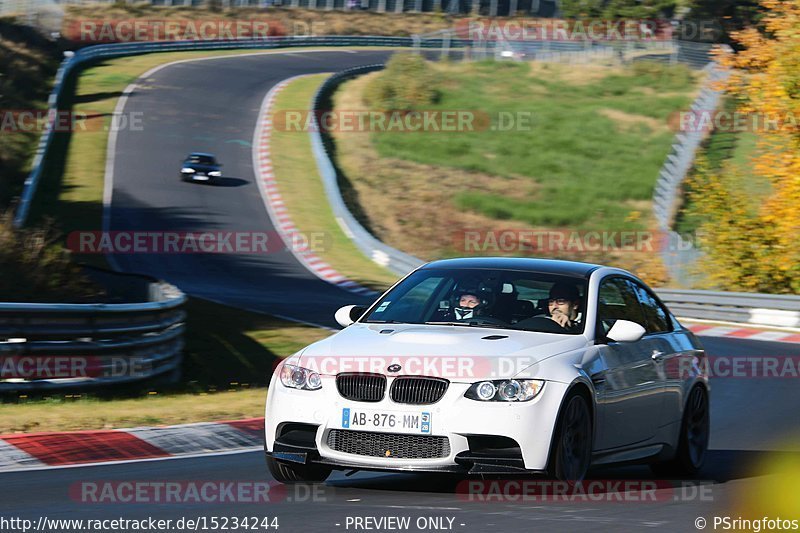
(471, 324)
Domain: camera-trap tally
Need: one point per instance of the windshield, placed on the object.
(506, 299)
(201, 160)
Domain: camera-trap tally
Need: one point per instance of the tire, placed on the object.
(296, 473)
(571, 452)
(693, 439)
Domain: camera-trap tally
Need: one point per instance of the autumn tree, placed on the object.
(758, 249)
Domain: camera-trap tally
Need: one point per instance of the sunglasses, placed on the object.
(559, 301)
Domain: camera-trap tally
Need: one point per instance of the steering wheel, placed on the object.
(541, 323)
(489, 320)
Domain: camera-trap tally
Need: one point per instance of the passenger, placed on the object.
(466, 307)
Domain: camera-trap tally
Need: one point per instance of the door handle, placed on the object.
(657, 356)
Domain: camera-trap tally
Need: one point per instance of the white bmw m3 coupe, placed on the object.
(495, 366)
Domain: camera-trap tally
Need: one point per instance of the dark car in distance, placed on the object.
(200, 166)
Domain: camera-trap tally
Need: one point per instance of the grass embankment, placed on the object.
(589, 160)
(731, 152)
(227, 349)
(28, 63)
(304, 194)
(33, 266)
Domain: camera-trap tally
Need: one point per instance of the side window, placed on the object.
(655, 315)
(617, 302)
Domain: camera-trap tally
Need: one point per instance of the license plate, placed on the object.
(390, 421)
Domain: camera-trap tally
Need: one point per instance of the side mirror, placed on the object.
(349, 314)
(625, 331)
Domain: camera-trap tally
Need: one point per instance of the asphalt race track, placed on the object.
(750, 417)
(211, 106)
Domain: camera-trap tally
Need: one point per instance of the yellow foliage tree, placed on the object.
(760, 250)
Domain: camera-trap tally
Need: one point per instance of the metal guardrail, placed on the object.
(68, 346)
(398, 262)
(666, 194)
(775, 310)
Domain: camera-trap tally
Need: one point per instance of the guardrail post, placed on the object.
(399, 6)
(673, 57)
(417, 43)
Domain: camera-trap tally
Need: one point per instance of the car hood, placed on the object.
(452, 352)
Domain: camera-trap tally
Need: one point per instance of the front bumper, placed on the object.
(462, 421)
(195, 177)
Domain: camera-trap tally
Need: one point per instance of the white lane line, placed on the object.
(775, 336)
(111, 147)
(13, 458)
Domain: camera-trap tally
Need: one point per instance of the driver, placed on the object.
(564, 305)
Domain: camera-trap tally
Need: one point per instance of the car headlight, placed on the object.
(505, 390)
(187, 170)
(215, 173)
(297, 377)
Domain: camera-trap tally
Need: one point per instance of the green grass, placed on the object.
(304, 194)
(730, 152)
(225, 345)
(80, 412)
(588, 166)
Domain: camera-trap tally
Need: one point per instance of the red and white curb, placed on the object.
(35, 451)
(709, 330)
(268, 186)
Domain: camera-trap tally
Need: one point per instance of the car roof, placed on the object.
(543, 266)
(200, 154)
